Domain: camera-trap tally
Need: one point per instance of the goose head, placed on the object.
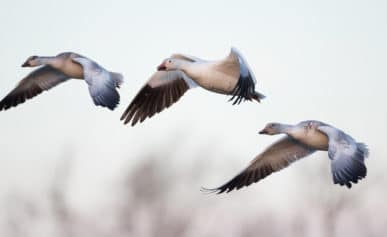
(272, 129)
(171, 64)
(31, 61)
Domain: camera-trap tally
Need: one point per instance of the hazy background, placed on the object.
(68, 168)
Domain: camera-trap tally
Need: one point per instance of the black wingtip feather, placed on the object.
(209, 190)
(110, 99)
(243, 179)
(245, 90)
(150, 101)
(350, 174)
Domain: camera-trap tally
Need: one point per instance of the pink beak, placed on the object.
(162, 67)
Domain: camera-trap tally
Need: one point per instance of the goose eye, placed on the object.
(169, 61)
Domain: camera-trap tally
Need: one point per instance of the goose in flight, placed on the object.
(346, 155)
(179, 73)
(55, 70)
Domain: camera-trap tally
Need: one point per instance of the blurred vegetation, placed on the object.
(156, 199)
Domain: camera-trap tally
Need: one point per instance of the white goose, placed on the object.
(179, 73)
(55, 70)
(346, 155)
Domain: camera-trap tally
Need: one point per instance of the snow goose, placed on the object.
(55, 70)
(179, 73)
(346, 155)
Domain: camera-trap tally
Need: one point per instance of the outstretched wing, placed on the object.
(347, 157)
(102, 83)
(39, 80)
(103, 90)
(236, 67)
(162, 90)
(245, 88)
(276, 157)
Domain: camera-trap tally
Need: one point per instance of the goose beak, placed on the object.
(161, 67)
(263, 131)
(26, 64)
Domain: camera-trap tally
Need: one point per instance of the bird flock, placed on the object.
(177, 74)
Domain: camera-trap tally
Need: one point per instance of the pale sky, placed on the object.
(323, 60)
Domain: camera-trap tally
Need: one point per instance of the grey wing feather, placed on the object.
(118, 78)
(42, 79)
(102, 83)
(276, 157)
(191, 83)
(347, 157)
(103, 90)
